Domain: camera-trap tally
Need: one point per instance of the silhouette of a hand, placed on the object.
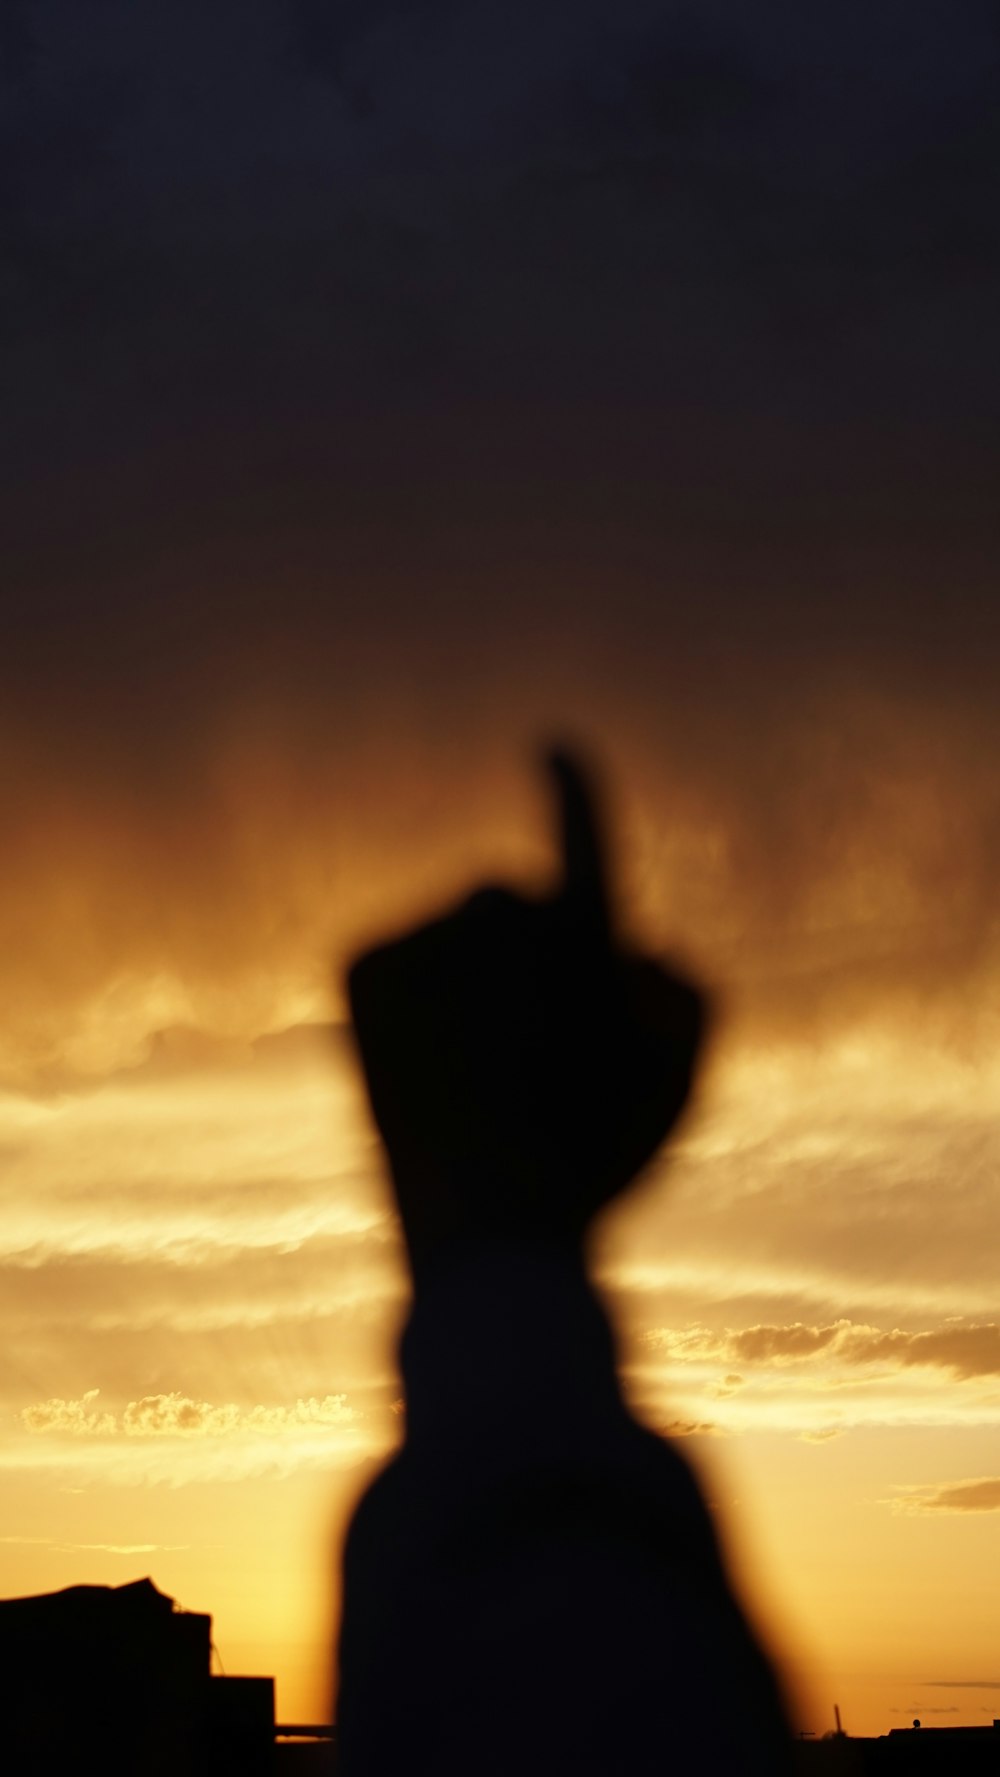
(522, 1064)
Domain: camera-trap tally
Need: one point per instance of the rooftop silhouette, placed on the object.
(119, 1679)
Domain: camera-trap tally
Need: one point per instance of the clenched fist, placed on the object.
(522, 1063)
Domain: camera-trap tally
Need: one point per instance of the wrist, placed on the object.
(506, 1340)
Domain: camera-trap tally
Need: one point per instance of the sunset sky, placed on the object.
(387, 388)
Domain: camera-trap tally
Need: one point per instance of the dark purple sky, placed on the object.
(384, 381)
(501, 258)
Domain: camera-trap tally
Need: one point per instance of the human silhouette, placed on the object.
(533, 1584)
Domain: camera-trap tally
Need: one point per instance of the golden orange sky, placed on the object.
(202, 1275)
(389, 390)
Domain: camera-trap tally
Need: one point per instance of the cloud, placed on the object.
(924, 1709)
(778, 1344)
(982, 1495)
(176, 1416)
(125, 1548)
(966, 1351)
(78, 1418)
(822, 1435)
(689, 1428)
(50, 1542)
(962, 1684)
(729, 1386)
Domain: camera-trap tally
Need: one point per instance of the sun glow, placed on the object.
(202, 1276)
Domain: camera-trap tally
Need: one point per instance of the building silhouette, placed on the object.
(905, 1752)
(118, 1679)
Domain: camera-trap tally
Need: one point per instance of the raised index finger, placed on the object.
(583, 855)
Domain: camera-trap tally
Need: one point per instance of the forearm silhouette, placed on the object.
(533, 1585)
